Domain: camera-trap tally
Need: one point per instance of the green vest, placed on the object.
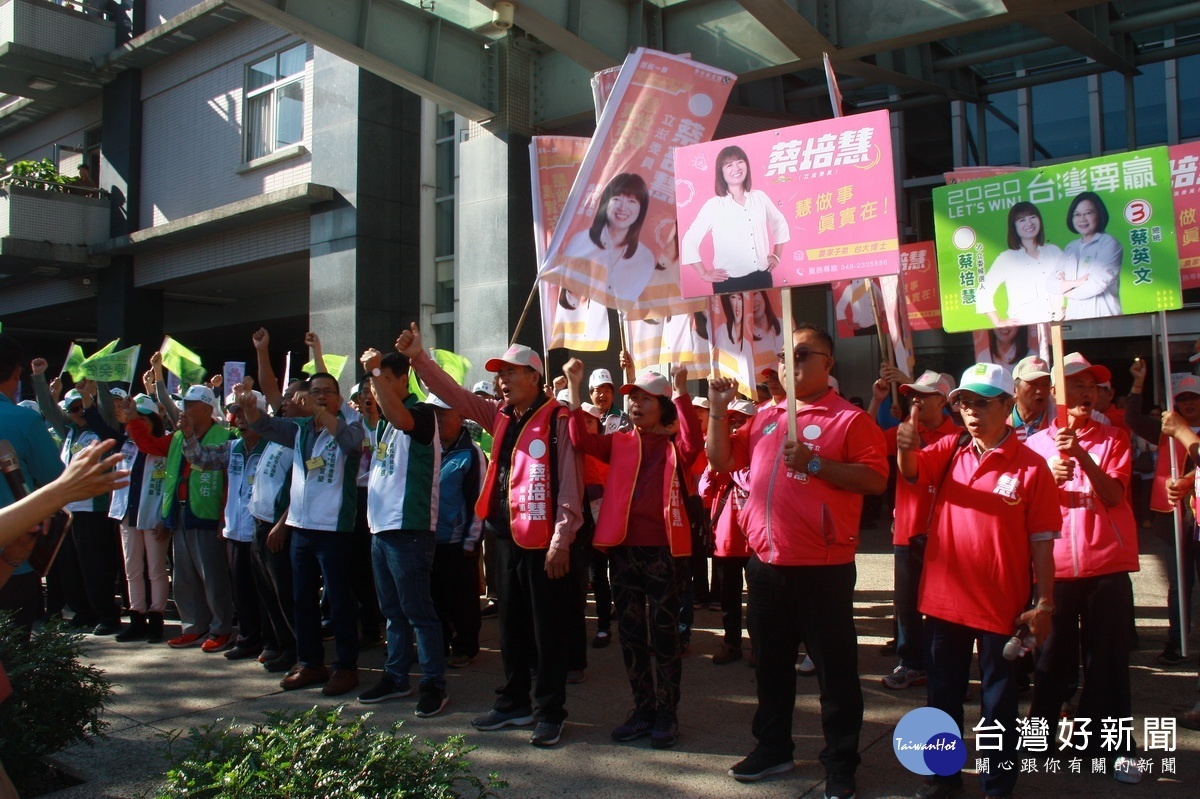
(206, 489)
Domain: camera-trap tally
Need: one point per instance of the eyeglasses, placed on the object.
(322, 392)
(801, 354)
(75, 409)
(978, 404)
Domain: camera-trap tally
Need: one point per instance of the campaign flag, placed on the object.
(112, 367)
(602, 86)
(1008, 345)
(857, 307)
(334, 364)
(732, 341)
(1184, 161)
(182, 362)
(896, 321)
(452, 364)
(568, 320)
(918, 270)
(73, 365)
(233, 373)
(1078, 240)
(679, 339)
(835, 93)
(616, 242)
(788, 207)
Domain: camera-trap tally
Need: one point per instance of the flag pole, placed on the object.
(1177, 513)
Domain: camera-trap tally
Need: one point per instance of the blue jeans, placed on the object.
(403, 563)
(910, 623)
(949, 668)
(317, 555)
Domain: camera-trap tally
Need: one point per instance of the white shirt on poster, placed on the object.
(743, 235)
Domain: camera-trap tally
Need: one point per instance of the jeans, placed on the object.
(648, 587)
(814, 605)
(403, 563)
(1095, 613)
(910, 623)
(535, 615)
(323, 555)
(951, 647)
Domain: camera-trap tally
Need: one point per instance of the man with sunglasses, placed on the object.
(801, 520)
(996, 514)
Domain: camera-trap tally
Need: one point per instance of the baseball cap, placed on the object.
(564, 397)
(145, 405)
(436, 401)
(599, 378)
(594, 410)
(71, 396)
(744, 407)
(485, 387)
(651, 383)
(199, 393)
(31, 405)
(986, 380)
(1074, 364)
(930, 382)
(1188, 384)
(516, 355)
(118, 392)
(259, 400)
(1031, 367)
(700, 402)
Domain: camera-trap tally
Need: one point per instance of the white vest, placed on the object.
(239, 480)
(154, 472)
(266, 498)
(324, 497)
(75, 442)
(391, 483)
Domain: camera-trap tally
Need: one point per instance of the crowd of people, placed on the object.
(288, 516)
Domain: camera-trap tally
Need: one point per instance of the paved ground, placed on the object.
(160, 690)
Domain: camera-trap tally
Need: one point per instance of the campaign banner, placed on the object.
(1184, 161)
(118, 366)
(788, 207)
(568, 320)
(746, 335)
(858, 307)
(182, 362)
(1078, 240)
(73, 365)
(896, 323)
(334, 364)
(918, 270)
(1008, 345)
(616, 243)
(232, 373)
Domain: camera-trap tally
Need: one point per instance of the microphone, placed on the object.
(1021, 643)
(10, 465)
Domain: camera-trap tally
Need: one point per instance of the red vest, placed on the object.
(623, 467)
(531, 501)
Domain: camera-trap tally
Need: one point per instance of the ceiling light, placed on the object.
(41, 84)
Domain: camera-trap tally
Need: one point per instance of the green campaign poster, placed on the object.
(1079, 240)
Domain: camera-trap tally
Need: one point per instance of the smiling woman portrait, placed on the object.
(612, 240)
(1024, 269)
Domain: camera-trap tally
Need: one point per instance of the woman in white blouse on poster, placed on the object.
(1090, 278)
(1025, 269)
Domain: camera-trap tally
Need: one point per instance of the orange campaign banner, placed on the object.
(918, 269)
(616, 243)
(1184, 161)
(567, 320)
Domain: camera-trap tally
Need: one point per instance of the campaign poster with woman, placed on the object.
(1079, 240)
(788, 207)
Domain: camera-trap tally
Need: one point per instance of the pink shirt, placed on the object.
(792, 518)
(914, 503)
(988, 511)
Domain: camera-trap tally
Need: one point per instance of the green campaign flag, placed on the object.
(116, 367)
(1078, 240)
(454, 365)
(334, 364)
(107, 349)
(73, 366)
(184, 363)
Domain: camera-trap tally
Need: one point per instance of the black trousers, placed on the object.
(813, 605)
(731, 570)
(273, 579)
(455, 589)
(98, 553)
(535, 616)
(245, 592)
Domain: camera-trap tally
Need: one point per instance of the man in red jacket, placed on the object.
(801, 520)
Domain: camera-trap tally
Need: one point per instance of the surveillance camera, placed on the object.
(502, 15)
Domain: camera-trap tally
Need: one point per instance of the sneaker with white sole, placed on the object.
(387, 688)
(498, 719)
(431, 702)
(546, 733)
(759, 764)
(902, 678)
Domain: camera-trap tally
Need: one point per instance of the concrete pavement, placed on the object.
(160, 690)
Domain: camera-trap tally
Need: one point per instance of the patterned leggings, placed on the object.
(648, 588)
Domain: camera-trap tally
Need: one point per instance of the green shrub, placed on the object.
(39, 175)
(56, 699)
(315, 753)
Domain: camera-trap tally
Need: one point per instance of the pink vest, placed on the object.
(531, 502)
(623, 467)
(792, 518)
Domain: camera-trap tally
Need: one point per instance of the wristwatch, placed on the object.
(814, 465)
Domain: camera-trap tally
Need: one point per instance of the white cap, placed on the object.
(930, 382)
(485, 387)
(744, 407)
(564, 397)
(199, 393)
(516, 355)
(259, 400)
(651, 383)
(599, 378)
(701, 402)
(71, 396)
(118, 392)
(145, 404)
(436, 401)
(594, 410)
(986, 380)
(31, 405)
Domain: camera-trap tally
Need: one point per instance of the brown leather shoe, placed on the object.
(341, 681)
(726, 654)
(304, 676)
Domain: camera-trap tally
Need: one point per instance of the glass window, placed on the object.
(1112, 104)
(1060, 119)
(1003, 144)
(1150, 103)
(445, 168)
(274, 108)
(1189, 96)
(443, 222)
(971, 113)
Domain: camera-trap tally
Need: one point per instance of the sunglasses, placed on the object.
(977, 404)
(801, 354)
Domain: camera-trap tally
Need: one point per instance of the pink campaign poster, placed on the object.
(616, 243)
(918, 270)
(788, 207)
(1184, 161)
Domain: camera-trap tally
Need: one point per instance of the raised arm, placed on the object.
(479, 409)
(313, 342)
(164, 396)
(267, 382)
(41, 390)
